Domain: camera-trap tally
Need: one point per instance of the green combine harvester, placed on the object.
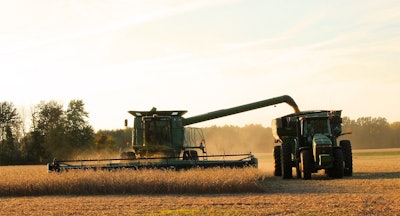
(162, 140)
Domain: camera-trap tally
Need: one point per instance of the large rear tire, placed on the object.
(277, 161)
(347, 157)
(286, 161)
(306, 163)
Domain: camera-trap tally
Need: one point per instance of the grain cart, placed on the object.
(309, 142)
(161, 139)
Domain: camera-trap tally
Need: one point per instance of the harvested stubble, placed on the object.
(34, 181)
(374, 189)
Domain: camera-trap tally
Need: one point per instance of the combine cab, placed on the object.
(161, 139)
(309, 142)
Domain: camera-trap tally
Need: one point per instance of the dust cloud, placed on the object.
(233, 139)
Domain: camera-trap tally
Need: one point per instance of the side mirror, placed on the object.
(126, 122)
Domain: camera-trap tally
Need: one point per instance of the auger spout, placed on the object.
(243, 108)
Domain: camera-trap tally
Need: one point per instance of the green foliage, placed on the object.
(368, 132)
(48, 121)
(57, 133)
(113, 140)
(10, 125)
(78, 132)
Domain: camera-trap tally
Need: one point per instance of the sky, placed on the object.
(202, 56)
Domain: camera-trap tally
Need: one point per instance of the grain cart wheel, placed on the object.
(286, 160)
(347, 157)
(298, 171)
(277, 161)
(306, 164)
(338, 168)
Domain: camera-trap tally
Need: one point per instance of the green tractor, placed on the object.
(309, 142)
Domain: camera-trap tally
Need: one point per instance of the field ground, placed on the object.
(374, 189)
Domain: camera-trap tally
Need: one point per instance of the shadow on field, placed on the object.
(320, 184)
(317, 185)
(376, 175)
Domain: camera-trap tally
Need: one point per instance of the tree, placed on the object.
(395, 131)
(47, 136)
(79, 133)
(106, 143)
(10, 125)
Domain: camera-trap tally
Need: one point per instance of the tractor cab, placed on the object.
(312, 127)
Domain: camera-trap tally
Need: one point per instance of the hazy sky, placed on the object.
(202, 56)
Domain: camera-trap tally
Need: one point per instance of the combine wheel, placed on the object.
(190, 155)
(128, 155)
(286, 160)
(347, 157)
(306, 163)
(277, 161)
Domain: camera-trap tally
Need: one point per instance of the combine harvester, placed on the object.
(161, 140)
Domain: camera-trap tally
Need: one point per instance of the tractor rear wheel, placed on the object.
(306, 165)
(277, 161)
(286, 160)
(347, 157)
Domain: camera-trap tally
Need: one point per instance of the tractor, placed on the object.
(308, 142)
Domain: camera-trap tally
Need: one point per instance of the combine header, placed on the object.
(161, 139)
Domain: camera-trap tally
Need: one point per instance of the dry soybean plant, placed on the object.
(34, 181)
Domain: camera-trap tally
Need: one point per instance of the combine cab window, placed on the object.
(157, 131)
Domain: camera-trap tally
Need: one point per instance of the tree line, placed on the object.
(64, 134)
(53, 133)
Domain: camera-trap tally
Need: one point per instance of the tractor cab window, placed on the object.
(157, 131)
(316, 126)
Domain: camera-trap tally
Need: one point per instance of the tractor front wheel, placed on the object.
(337, 171)
(306, 165)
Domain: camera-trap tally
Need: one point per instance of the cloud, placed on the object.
(34, 24)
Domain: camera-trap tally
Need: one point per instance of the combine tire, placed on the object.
(128, 155)
(338, 169)
(347, 157)
(190, 155)
(306, 164)
(286, 160)
(277, 161)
